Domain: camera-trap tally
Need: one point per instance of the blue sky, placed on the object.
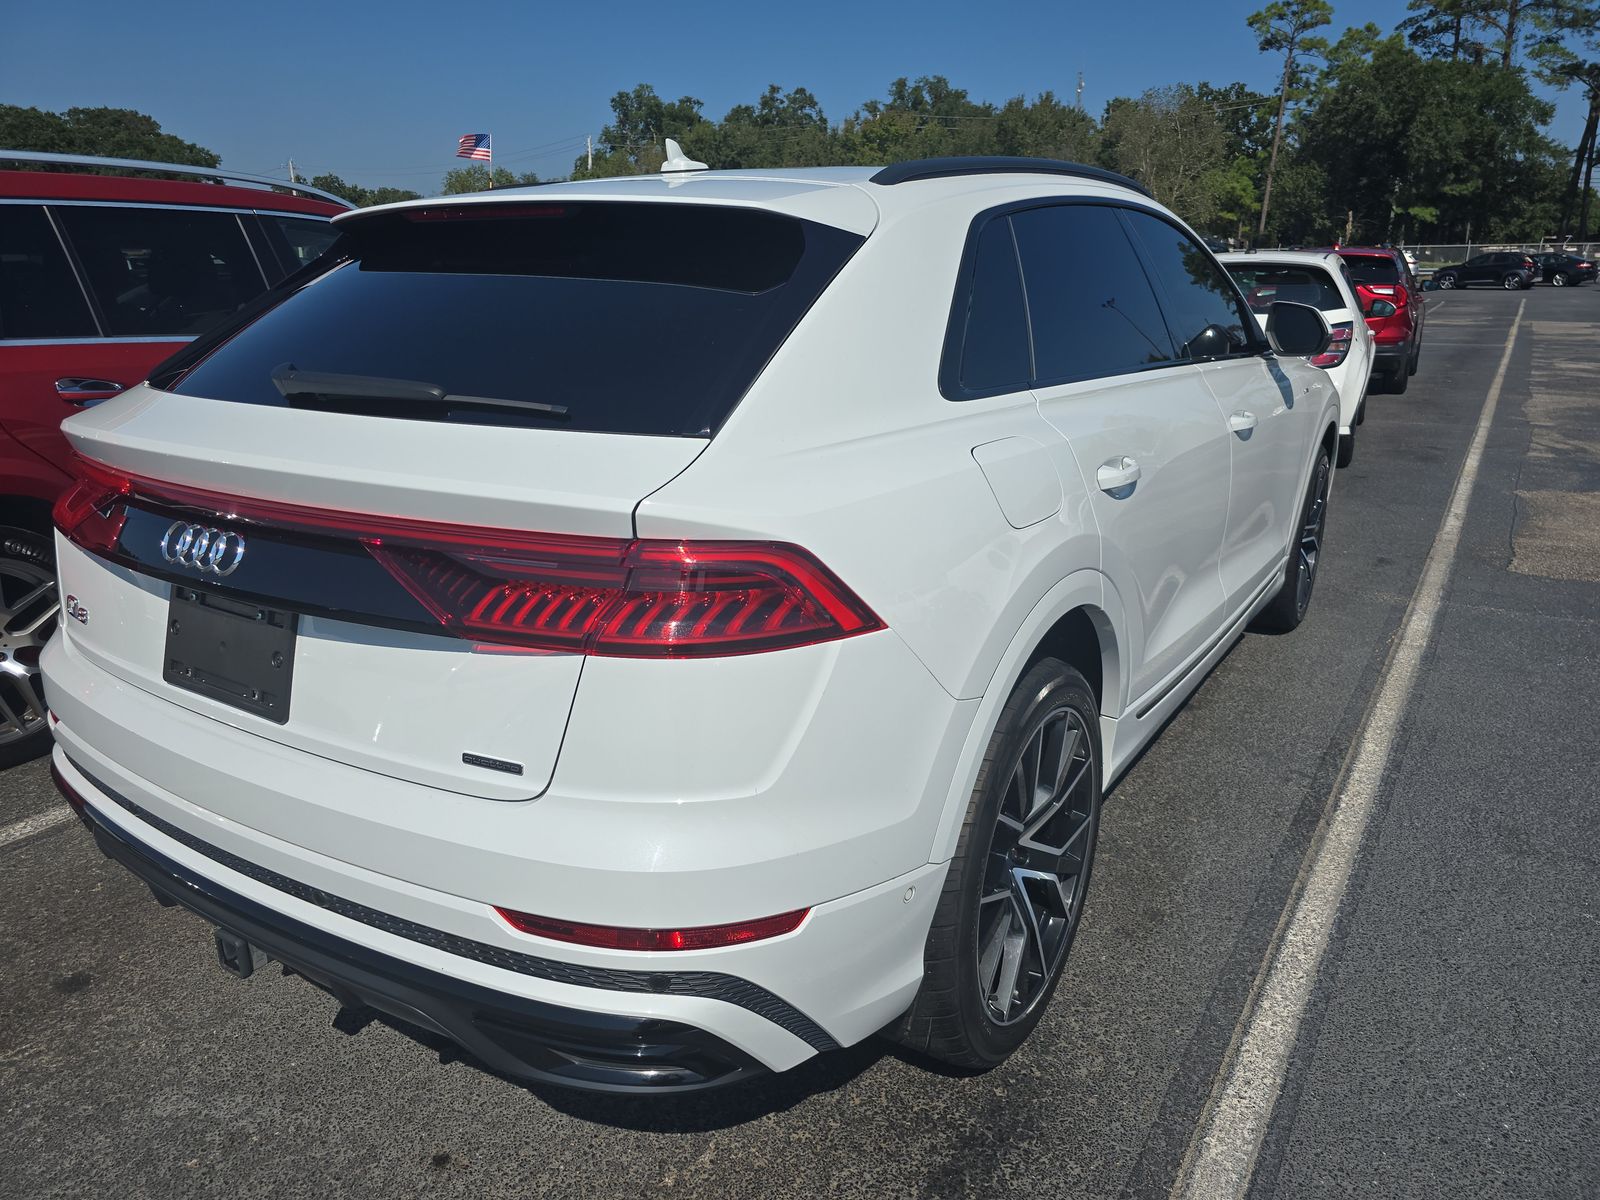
(380, 93)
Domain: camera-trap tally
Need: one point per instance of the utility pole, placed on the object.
(293, 178)
(588, 146)
(1080, 91)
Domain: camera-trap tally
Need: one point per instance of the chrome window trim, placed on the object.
(95, 339)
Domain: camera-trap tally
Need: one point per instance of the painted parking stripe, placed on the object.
(1222, 1157)
(29, 826)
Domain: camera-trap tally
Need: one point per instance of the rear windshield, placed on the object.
(1372, 268)
(1263, 284)
(601, 317)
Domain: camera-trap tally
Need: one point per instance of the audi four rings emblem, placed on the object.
(214, 551)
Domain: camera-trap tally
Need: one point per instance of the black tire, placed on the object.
(953, 1018)
(1289, 607)
(1513, 282)
(1397, 382)
(1347, 450)
(1446, 282)
(1415, 360)
(28, 606)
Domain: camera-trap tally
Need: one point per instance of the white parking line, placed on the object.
(1222, 1157)
(1436, 306)
(29, 826)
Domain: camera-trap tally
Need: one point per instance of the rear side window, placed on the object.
(297, 241)
(1372, 268)
(995, 352)
(595, 316)
(1197, 294)
(1265, 284)
(39, 297)
(1090, 304)
(162, 272)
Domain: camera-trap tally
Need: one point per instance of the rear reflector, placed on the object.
(699, 937)
(68, 792)
(618, 597)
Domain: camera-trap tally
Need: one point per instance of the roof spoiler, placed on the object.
(978, 164)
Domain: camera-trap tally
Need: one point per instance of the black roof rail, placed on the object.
(996, 164)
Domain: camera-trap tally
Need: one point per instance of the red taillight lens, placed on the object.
(641, 599)
(68, 792)
(1338, 347)
(619, 597)
(699, 937)
(88, 512)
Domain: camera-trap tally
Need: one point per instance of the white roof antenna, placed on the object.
(677, 160)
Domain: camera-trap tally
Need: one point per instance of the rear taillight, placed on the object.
(618, 597)
(698, 937)
(1338, 347)
(89, 513)
(638, 599)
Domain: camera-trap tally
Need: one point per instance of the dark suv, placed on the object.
(1564, 270)
(101, 277)
(1509, 269)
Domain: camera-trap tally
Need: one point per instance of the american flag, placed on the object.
(474, 145)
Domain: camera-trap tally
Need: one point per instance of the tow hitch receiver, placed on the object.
(237, 955)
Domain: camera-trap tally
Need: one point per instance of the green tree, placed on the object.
(1284, 27)
(105, 132)
(1171, 141)
(1567, 54)
(632, 143)
(476, 178)
(360, 196)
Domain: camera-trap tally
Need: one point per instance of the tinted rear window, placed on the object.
(635, 318)
(1372, 268)
(1264, 284)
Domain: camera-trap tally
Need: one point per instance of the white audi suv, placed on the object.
(653, 630)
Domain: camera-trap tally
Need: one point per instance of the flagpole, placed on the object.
(491, 162)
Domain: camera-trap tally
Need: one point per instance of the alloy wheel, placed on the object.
(1310, 548)
(28, 607)
(1511, 283)
(1446, 282)
(1036, 869)
(1559, 280)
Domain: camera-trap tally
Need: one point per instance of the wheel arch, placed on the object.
(1079, 620)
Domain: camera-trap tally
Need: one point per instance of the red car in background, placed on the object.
(1391, 299)
(102, 276)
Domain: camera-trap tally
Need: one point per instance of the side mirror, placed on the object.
(1297, 330)
(1380, 308)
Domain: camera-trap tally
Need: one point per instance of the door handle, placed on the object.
(80, 390)
(1242, 422)
(1117, 477)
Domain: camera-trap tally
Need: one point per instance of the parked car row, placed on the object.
(1373, 303)
(1515, 270)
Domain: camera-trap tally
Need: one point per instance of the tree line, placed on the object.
(1428, 132)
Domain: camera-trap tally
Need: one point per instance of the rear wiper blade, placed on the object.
(291, 381)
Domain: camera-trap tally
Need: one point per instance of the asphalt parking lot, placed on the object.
(1450, 1045)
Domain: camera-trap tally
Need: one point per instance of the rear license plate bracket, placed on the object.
(232, 651)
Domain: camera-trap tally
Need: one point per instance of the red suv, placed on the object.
(1391, 298)
(101, 277)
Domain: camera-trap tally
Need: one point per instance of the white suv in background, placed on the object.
(1320, 279)
(657, 629)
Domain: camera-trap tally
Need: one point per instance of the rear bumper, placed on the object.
(1389, 357)
(514, 1035)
